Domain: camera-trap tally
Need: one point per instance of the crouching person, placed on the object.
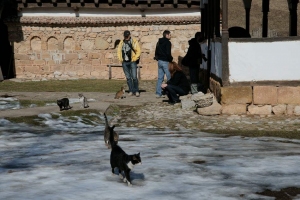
(177, 86)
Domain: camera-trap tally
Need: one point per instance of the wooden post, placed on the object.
(247, 6)
(1, 75)
(109, 72)
(217, 18)
(225, 38)
(247, 19)
(293, 17)
(265, 10)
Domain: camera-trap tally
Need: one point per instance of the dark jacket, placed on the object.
(194, 53)
(163, 50)
(179, 79)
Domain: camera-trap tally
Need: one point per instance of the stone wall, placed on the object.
(45, 52)
(261, 100)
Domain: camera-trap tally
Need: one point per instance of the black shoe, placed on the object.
(174, 102)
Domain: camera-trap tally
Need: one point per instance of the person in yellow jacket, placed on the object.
(129, 53)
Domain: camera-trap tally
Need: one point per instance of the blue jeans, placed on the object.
(163, 68)
(130, 71)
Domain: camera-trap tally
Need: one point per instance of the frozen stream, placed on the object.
(67, 160)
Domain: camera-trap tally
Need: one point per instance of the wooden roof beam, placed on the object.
(175, 3)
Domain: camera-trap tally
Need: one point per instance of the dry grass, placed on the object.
(278, 16)
(82, 85)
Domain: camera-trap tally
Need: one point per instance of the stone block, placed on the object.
(71, 56)
(19, 70)
(75, 62)
(94, 55)
(264, 95)
(25, 62)
(80, 73)
(297, 110)
(279, 109)
(45, 55)
(187, 103)
(45, 68)
(32, 69)
(19, 56)
(234, 109)
(289, 95)
(101, 44)
(92, 35)
(70, 68)
(79, 68)
(95, 73)
(290, 109)
(96, 29)
(59, 68)
(38, 62)
(85, 62)
(236, 95)
(95, 62)
(214, 109)
(260, 110)
(87, 45)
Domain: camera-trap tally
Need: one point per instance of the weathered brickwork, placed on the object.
(49, 52)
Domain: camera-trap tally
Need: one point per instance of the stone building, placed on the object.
(252, 75)
(70, 40)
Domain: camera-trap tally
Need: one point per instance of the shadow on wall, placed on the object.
(117, 42)
(238, 32)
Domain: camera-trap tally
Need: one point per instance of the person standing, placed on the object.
(177, 86)
(128, 53)
(163, 56)
(194, 60)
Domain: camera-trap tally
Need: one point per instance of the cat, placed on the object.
(63, 104)
(118, 158)
(107, 133)
(83, 101)
(120, 94)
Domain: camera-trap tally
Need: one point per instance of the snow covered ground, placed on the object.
(67, 159)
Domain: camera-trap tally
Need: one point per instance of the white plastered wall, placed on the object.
(264, 61)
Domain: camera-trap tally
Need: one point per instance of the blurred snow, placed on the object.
(67, 159)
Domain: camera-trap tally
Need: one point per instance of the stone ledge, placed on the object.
(236, 95)
(265, 95)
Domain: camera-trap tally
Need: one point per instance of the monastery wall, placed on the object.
(59, 49)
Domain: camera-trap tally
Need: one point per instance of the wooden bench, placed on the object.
(120, 65)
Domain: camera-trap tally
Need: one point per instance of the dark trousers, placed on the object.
(172, 91)
(194, 73)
